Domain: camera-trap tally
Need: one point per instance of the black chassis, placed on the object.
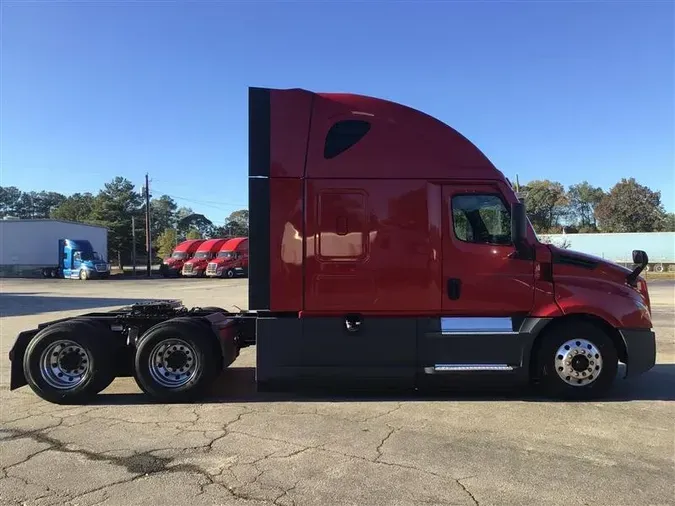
(129, 323)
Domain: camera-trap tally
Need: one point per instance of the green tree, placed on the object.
(668, 223)
(545, 203)
(193, 234)
(77, 207)
(630, 207)
(583, 198)
(163, 214)
(113, 207)
(166, 242)
(198, 222)
(236, 224)
(10, 197)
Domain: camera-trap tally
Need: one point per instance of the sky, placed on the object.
(566, 90)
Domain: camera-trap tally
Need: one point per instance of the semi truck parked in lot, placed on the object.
(173, 265)
(660, 246)
(207, 251)
(418, 267)
(231, 260)
(77, 260)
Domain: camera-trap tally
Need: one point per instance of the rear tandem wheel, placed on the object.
(70, 362)
(176, 360)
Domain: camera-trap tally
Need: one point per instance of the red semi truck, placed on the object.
(232, 259)
(386, 250)
(207, 251)
(183, 252)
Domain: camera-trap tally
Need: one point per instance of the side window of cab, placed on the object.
(481, 219)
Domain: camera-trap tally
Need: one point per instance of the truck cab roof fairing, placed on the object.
(401, 142)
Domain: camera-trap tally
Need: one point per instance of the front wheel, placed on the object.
(230, 273)
(176, 360)
(576, 361)
(84, 275)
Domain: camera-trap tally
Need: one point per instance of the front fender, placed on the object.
(619, 305)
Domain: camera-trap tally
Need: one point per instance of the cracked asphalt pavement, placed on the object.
(239, 447)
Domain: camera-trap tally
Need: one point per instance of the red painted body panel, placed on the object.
(286, 244)
(544, 291)
(289, 124)
(372, 245)
(209, 249)
(602, 292)
(368, 230)
(402, 143)
(236, 245)
(492, 283)
(189, 247)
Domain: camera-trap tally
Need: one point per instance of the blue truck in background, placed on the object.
(78, 260)
(618, 247)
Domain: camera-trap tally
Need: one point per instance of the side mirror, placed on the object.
(641, 259)
(519, 230)
(518, 223)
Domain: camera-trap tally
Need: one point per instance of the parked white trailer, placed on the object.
(27, 246)
(660, 247)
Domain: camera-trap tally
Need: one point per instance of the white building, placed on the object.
(26, 246)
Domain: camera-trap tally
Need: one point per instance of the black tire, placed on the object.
(553, 385)
(54, 273)
(84, 275)
(230, 273)
(98, 342)
(205, 351)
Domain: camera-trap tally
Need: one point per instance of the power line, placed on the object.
(212, 203)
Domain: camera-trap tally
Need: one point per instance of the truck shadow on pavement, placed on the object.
(237, 385)
(24, 304)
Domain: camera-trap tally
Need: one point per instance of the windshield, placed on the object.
(85, 255)
(225, 254)
(179, 254)
(202, 254)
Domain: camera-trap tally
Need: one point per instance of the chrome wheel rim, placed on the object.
(578, 362)
(65, 364)
(173, 363)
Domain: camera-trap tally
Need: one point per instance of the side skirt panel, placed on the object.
(387, 352)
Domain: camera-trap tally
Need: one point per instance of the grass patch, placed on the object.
(651, 276)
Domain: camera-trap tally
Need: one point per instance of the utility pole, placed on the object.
(133, 244)
(148, 239)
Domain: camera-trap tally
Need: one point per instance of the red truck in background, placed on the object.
(181, 254)
(196, 266)
(386, 250)
(231, 260)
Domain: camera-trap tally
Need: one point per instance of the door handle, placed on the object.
(454, 288)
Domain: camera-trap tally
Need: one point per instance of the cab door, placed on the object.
(486, 288)
(482, 276)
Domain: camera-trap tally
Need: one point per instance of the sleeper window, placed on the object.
(481, 219)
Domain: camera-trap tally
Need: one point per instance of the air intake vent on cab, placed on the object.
(343, 135)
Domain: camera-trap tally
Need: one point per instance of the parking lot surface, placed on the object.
(240, 447)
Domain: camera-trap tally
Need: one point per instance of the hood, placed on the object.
(585, 261)
(197, 261)
(221, 261)
(173, 261)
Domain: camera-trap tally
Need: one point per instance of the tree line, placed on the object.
(628, 206)
(581, 208)
(115, 206)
